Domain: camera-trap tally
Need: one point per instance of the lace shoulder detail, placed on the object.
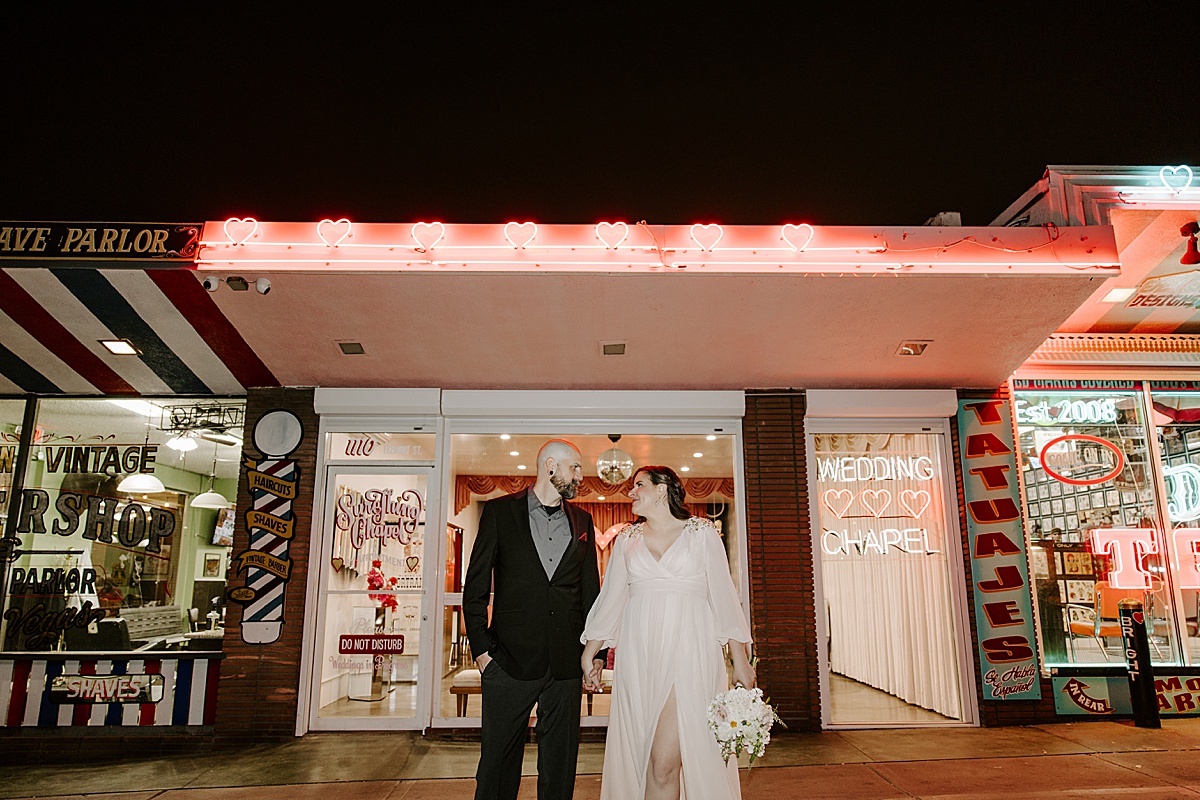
(632, 531)
(700, 525)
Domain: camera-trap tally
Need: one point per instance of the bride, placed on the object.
(669, 606)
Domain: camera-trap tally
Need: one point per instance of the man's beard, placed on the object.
(566, 489)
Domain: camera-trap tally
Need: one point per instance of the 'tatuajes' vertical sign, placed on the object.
(999, 564)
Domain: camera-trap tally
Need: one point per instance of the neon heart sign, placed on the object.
(603, 539)
(427, 235)
(876, 501)
(1176, 173)
(520, 234)
(914, 501)
(838, 501)
(707, 236)
(339, 229)
(239, 229)
(612, 233)
(797, 237)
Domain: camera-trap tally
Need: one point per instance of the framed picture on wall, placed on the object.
(1044, 507)
(1068, 504)
(212, 566)
(1112, 497)
(1098, 500)
(1085, 502)
(1056, 489)
(1056, 506)
(1043, 492)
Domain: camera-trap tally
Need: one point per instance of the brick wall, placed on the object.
(258, 692)
(782, 603)
(992, 713)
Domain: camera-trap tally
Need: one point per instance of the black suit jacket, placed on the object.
(536, 621)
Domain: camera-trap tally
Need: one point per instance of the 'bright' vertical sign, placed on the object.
(999, 566)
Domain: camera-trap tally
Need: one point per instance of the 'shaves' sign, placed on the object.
(106, 689)
(101, 241)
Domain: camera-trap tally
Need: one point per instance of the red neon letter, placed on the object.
(985, 411)
(1187, 542)
(1127, 547)
(993, 476)
(985, 444)
(988, 544)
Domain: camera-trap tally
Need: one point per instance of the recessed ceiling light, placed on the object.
(514, 452)
(351, 348)
(505, 437)
(1119, 295)
(711, 437)
(520, 466)
(914, 347)
(685, 469)
(601, 497)
(612, 348)
(120, 347)
(697, 455)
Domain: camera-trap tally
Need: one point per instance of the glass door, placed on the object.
(890, 578)
(371, 599)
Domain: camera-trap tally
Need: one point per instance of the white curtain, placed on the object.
(890, 614)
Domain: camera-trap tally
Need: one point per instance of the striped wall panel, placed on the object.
(189, 692)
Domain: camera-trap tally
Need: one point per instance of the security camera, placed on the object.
(211, 282)
(262, 286)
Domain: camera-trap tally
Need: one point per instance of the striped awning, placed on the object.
(52, 322)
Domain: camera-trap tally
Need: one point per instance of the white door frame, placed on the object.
(958, 576)
(552, 426)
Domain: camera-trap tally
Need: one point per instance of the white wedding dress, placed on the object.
(668, 620)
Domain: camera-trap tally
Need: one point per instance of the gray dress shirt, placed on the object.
(551, 533)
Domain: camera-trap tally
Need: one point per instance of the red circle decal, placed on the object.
(1118, 459)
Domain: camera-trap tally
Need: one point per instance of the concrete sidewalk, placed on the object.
(1070, 761)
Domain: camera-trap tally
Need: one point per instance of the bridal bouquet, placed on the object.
(741, 720)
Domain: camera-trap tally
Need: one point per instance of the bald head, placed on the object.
(560, 469)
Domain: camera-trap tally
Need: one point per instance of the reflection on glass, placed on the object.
(484, 466)
(373, 596)
(886, 578)
(1177, 417)
(113, 569)
(1086, 468)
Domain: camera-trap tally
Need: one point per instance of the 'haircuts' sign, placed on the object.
(999, 565)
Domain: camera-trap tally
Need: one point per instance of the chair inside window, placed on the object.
(1106, 616)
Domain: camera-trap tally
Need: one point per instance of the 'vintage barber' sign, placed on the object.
(999, 566)
(99, 241)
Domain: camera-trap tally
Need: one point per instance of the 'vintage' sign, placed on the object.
(999, 565)
(74, 689)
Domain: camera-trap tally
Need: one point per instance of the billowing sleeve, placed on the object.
(604, 620)
(722, 596)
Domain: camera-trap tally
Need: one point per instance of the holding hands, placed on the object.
(592, 680)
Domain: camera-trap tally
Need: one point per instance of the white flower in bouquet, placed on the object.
(741, 720)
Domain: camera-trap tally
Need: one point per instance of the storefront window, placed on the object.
(114, 554)
(488, 465)
(11, 412)
(887, 552)
(1176, 415)
(1092, 518)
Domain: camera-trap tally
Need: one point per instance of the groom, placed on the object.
(539, 554)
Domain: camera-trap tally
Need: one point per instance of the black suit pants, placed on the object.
(507, 703)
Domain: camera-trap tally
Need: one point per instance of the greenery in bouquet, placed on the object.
(741, 720)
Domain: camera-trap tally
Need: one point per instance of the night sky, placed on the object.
(737, 114)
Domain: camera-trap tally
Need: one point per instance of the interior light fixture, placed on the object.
(221, 438)
(514, 452)
(120, 347)
(520, 466)
(614, 466)
(212, 498)
(697, 455)
(146, 409)
(183, 443)
(1119, 295)
(141, 482)
(711, 437)
(504, 437)
(685, 469)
